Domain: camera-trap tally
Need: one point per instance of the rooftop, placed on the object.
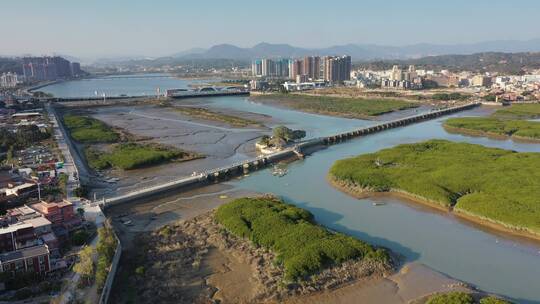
(15, 227)
(24, 253)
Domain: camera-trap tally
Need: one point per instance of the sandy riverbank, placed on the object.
(359, 192)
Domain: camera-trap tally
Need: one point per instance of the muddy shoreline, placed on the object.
(473, 219)
(224, 273)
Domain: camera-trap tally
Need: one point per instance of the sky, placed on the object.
(109, 28)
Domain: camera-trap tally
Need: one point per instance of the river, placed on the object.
(492, 261)
(130, 85)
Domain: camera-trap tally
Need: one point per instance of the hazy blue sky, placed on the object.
(161, 27)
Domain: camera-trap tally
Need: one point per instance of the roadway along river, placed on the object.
(496, 263)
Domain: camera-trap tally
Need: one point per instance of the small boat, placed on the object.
(378, 204)
(279, 172)
(223, 196)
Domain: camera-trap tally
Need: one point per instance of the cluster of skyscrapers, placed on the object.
(333, 69)
(49, 68)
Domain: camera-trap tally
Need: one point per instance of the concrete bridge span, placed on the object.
(226, 172)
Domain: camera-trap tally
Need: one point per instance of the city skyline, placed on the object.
(101, 29)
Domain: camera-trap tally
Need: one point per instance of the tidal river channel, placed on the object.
(490, 260)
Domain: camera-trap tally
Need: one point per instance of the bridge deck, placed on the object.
(261, 161)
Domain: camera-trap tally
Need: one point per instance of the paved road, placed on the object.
(69, 164)
(92, 211)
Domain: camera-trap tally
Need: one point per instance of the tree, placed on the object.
(81, 191)
(140, 271)
(265, 140)
(106, 243)
(85, 266)
(102, 271)
(282, 132)
(79, 237)
(80, 211)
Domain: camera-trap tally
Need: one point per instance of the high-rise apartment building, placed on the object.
(76, 69)
(312, 67)
(9, 80)
(46, 68)
(396, 74)
(282, 68)
(296, 68)
(337, 69)
(256, 67)
(268, 67)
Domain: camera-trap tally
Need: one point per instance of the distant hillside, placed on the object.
(512, 63)
(361, 51)
(10, 65)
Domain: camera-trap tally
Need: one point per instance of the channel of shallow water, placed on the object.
(493, 261)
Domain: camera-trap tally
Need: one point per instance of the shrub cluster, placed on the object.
(129, 156)
(89, 130)
(457, 297)
(105, 248)
(450, 96)
(301, 246)
(499, 185)
(355, 107)
(519, 111)
(521, 128)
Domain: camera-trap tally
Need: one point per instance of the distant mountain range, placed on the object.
(506, 63)
(359, 52)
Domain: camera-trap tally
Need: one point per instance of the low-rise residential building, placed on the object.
(23, 190)
(32, 259)
(17, 236)
(59, 213)
(481, 81)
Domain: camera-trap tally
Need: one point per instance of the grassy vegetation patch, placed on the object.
(519, 111)
(457, 297)
(450, 96)
(451, 298)
(133, 156)
(350, 107)
(206, 114)
(508, 121)
(85, 129)
(301, 246)
(520, 128)
(493, 184)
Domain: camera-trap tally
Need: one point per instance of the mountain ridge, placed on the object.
(361, 51)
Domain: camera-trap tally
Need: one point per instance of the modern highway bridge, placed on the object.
(235, 169)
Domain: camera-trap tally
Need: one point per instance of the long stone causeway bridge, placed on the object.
(260, 162)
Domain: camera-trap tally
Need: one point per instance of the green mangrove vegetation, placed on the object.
(508, 121)
(302, 247)
(128, 156)
(458, 297)
(450, 96)
(341, 106)
(86, 129)
(495, 126)
(496, 185)
(519, 111)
